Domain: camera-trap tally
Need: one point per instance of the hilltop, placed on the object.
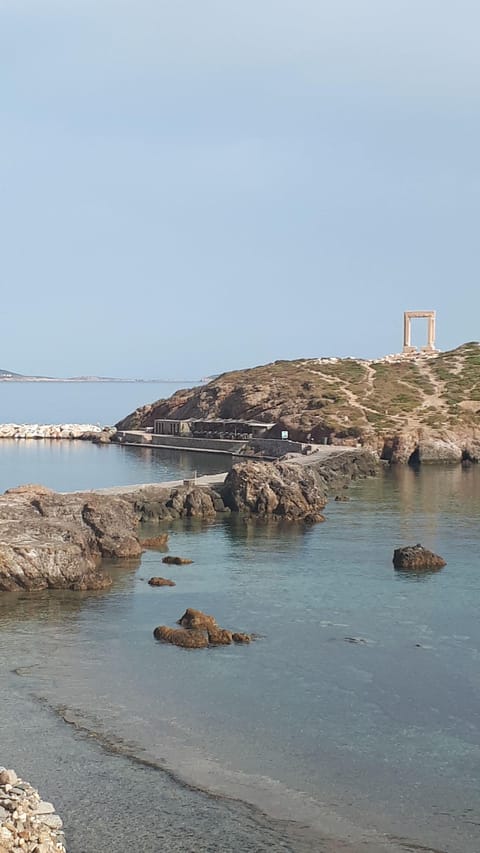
(389, 405)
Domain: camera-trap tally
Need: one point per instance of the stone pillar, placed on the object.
(431, 332)
(406, 330)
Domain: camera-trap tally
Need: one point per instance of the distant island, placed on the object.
(10, 376)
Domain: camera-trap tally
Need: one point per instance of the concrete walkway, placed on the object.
(211, 480)
(216, 480)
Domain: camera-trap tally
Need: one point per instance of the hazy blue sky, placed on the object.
(196, 185)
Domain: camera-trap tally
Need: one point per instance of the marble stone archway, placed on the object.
(408, 316)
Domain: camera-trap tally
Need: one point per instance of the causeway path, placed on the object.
(210, 480)
(214, 480)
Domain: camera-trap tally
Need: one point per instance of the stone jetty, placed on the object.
(28, 824)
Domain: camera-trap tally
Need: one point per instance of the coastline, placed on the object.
(58, 763)
(267, 795)
(254, 813)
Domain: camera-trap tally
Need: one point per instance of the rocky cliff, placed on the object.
(426, 406)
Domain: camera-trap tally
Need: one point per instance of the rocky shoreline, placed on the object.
(50, 540)
(28, 824)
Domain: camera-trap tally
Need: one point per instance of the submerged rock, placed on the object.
(156, 542)
(177, 561)
(240, 637)
(416, 557)
(157, 581)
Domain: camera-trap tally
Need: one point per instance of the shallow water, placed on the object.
(346, 737)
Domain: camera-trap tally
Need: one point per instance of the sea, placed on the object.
(352, 723)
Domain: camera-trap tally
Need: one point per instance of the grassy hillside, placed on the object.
(339, 397)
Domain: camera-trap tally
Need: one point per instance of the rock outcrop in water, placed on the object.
(56, 541)
(198, 631)
(417, 558)
(293, 489)
(27, 823)
(275, 490)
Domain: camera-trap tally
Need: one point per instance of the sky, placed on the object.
(193, 186)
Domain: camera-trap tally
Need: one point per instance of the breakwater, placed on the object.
(53, 431)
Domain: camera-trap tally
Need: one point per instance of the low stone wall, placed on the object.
(211, 445)
(270, 447)
(38, 431)
(27, 822)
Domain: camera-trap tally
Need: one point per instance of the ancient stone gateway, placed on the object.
(407, 337)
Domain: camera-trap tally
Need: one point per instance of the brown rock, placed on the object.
(176, 561)
(275, 490)
(193, 619)
(156, 542)
(416, 557)
(161, 582)
(239, 637)
(219, 636)
(181, 637)
(203, 630)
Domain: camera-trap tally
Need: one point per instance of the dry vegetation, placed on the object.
(344, 397)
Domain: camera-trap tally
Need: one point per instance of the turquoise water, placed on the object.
(369, 741)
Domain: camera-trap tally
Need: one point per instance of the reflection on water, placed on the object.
(76, 465)
(387, 730)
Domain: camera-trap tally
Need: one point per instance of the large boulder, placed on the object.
(275, 490)
(56, 541)
(432, 451)
(417, 558)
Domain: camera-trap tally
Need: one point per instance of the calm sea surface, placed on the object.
(374, 740)
(104, 403)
